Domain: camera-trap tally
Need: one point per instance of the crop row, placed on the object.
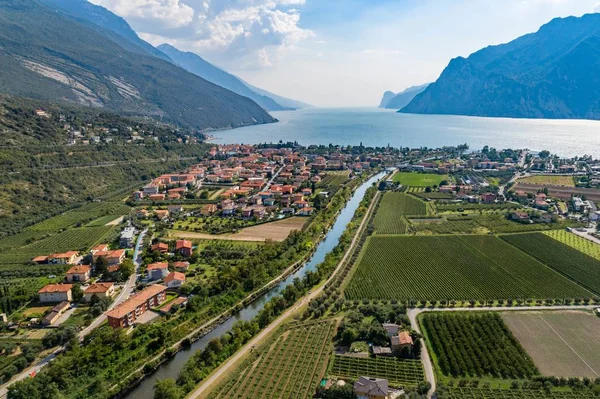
(574, 241)
(453, 267)
(292, 367)
(390, 217)
(483, 393)
(476, 345)
(399, 373)
(82, 215)
(575, 264)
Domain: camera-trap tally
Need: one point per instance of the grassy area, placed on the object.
(566, 260)
(550, 180)
(415, 179)
(453, 267)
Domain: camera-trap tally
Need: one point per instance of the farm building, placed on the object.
(55, 313)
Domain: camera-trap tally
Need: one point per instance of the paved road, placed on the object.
(270, 182)
(123, 295)
(224, 368)
(426, 359)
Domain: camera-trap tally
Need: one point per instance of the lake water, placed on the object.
(376, 127)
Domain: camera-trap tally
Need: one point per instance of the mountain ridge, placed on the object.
(403, 98)
(545, 74)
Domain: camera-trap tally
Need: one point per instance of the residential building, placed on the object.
(161, 247)
(65, 258)
(127, 236)
(371, 388)
(184, 248)
(175, 279)
(78, 273)
(55, 313)
(391, 329)
(401, 341)
(157, 271)
(181, 266)
(129, 311)
(112, 257)
(55, 293)
(101, 290)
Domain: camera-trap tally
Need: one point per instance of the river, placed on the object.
(376, 127)
(172, 368)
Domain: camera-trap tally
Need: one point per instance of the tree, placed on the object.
(101, 265)
(167, 389)
(126, 269)
(76, 293)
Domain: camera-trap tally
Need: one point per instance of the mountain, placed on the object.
(387, 96)
(403, 98)
(197, 65)
(283, 101)
(552, 73)
(47, 54)
(100, 16)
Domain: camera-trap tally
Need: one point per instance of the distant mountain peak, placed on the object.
(400, 100)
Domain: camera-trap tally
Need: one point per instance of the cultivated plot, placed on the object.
(561, 343)
(399, 373)
(390, 217)
(414, 179)
(453, 267)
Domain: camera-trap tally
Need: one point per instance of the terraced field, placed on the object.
(572, 263)
(574, 241)
(291, 368)
(453, 267)
(399, 373)
(390, 217)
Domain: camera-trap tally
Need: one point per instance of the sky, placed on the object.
(338, 53)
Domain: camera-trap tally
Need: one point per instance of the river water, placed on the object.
(171, 369)
(376, 127)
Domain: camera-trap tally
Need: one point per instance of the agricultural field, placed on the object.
(390, 216)
(275, 231)
(433, 195)
(334, 178)
(447, 226)
(549, 180)
(485, 393)
(415, 179)
(462, 207)
(453, 267)
(85, 214)
(211, 225)
(292, 367)
(574, 241)
(481, 345)
(399, 373)
(572, 263)
(561, 343)
(498, 223)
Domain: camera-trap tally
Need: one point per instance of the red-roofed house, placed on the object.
(129, 311)
(175, 280)
(65, 258)
(78, 273)
(161, 247)
(181, 266)
(55, 293)
(101, 290)
(157, 271)
(401, 340)
(184, 248)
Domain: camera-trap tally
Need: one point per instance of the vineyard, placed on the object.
(575, 264)
(498, 223)
(476, 207)
(399, 373)
(453, 267)
(483, 393)
(414, 179)
(334, 179)
(292, 367)
(476, 345)
(433, 195)
(574, 241)
(390, 217)
(449, 226)
(82, 215)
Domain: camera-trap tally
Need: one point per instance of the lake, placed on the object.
(377, 127)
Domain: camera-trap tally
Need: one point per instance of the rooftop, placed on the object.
(136, 300)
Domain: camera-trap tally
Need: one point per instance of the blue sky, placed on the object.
(338, 52)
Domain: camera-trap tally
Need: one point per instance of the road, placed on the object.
(426, 359)
(270, 182)
(521, 165)
(123, 295)
(224, 368)
(586, 235)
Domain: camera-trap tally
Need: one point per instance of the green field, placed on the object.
(453, 267)
(292, 367)
(483, 393)
(574, 241)
(399, 373)
(572, 263)
(390, 216)
(448, 226)
(414, 179)
(549, 180)
(85, 214)
(469, 345)
(498, 223)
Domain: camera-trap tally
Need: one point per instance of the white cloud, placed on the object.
(246, 34)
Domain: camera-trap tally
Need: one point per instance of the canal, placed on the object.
(172, 368)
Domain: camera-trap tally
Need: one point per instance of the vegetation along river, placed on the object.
(172, 368)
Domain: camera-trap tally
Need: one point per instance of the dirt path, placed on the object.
(224, 368)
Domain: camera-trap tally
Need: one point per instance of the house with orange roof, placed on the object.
(125, 314)
(43, 259)
(161, 247)
(55, 293)
(161, 214)
(174, 279)
(158, 270)
(181, 266)
(156, 197)
(401, 341)
(101, 290)
(64, 258)
(112, 257)
(184, 248)
(78, 273)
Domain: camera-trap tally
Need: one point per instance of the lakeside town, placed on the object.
(159, 254)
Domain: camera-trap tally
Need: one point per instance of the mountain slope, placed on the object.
(47, 54)
(387, 96)
(403, 98)
(197, 65)
(552, 73)
(283, 101)
(98, 15)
